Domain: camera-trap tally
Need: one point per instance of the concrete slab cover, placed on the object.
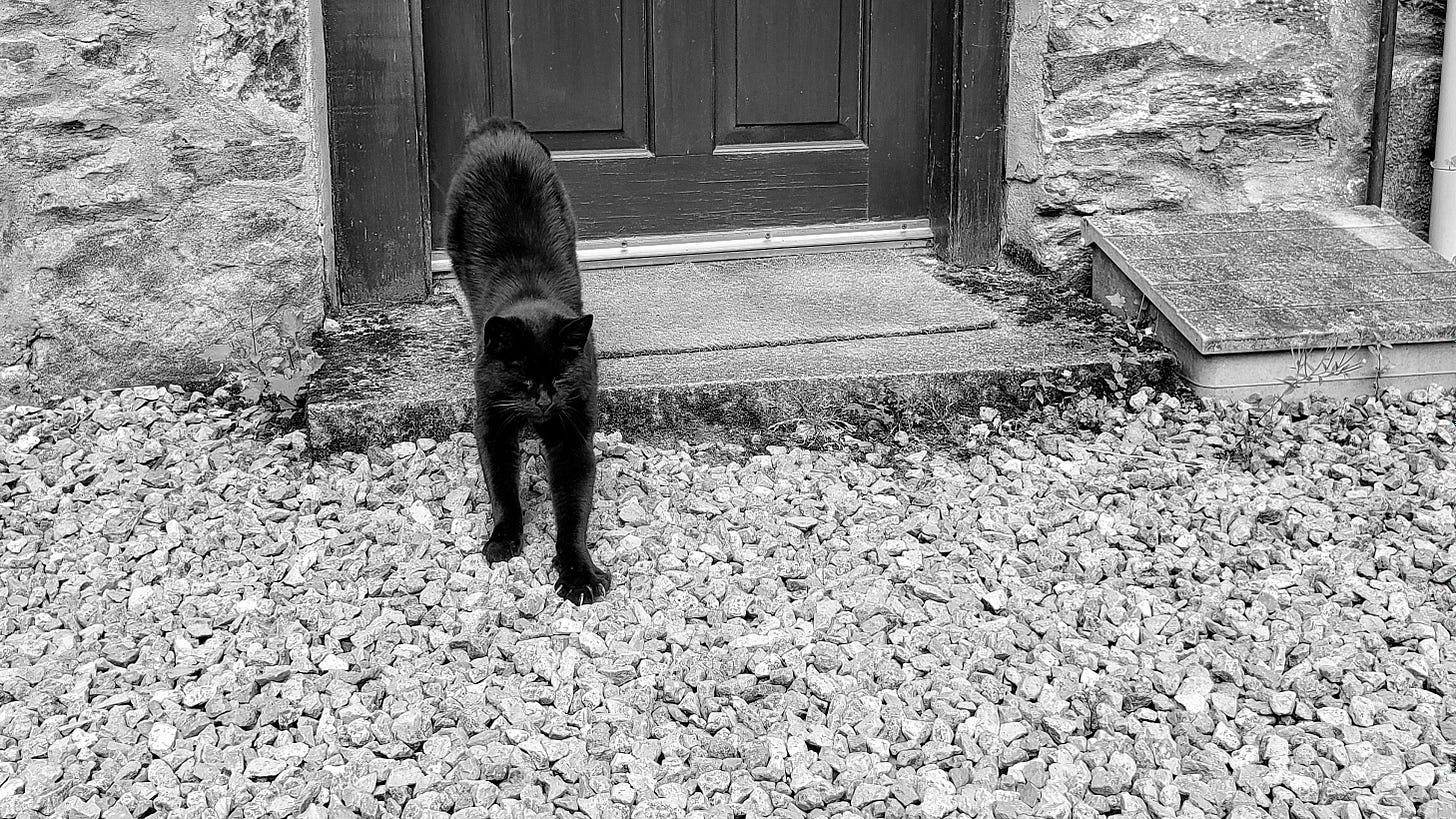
(1263, 280)
(1299, 370)
(746, 303)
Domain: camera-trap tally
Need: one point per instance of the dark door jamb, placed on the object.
(970, 62)
(373, 69)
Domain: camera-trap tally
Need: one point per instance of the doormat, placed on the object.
(771, 302)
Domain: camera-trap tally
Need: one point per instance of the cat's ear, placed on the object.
(575, 332)
(501, 337)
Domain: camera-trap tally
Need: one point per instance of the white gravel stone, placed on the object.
(162, 738)
(264, 767)
(869, 793)
(411, 727)
(1362, 711)
(937, 796)
(1421, 776)
(1194, 692)
(1282, 702)
(333, 662)
(1305, 788)
(1439, 808)
(632, 514)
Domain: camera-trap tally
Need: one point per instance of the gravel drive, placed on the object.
(1096, 612)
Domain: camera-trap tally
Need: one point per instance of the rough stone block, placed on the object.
(1412, 141)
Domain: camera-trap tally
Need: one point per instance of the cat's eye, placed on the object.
(509, 354)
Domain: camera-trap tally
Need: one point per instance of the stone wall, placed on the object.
(158, 183)
(1129, 105)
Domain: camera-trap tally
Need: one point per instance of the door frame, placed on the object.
(378, 162)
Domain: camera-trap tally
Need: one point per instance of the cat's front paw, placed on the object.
(504, 544)
(583, 584)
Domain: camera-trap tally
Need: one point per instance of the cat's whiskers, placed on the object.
(570, 413)
(513, 410)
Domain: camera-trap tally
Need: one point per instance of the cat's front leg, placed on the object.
(499, 446)
(571, 463)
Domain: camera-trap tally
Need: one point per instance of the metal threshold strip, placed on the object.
(737, 244)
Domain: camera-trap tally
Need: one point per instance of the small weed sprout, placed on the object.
(1139, 327)
(1136, 333)
(1375, 346)
(1046, 391)
(1329, 366)
(273, 363)
(1306, 370)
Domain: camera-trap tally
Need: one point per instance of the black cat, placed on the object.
(511, 238)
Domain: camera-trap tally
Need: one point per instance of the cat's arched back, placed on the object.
(510, 232)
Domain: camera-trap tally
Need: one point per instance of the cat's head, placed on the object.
(536, 355)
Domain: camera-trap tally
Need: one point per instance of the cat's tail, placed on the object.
(498, 125)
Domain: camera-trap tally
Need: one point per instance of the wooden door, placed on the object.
(676, 116)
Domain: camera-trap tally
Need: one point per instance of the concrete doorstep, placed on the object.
(740, 345)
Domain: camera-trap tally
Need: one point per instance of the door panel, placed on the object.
(788, 70)
(787, 56)
(576, 72)
(566, 70)
(670, 116)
